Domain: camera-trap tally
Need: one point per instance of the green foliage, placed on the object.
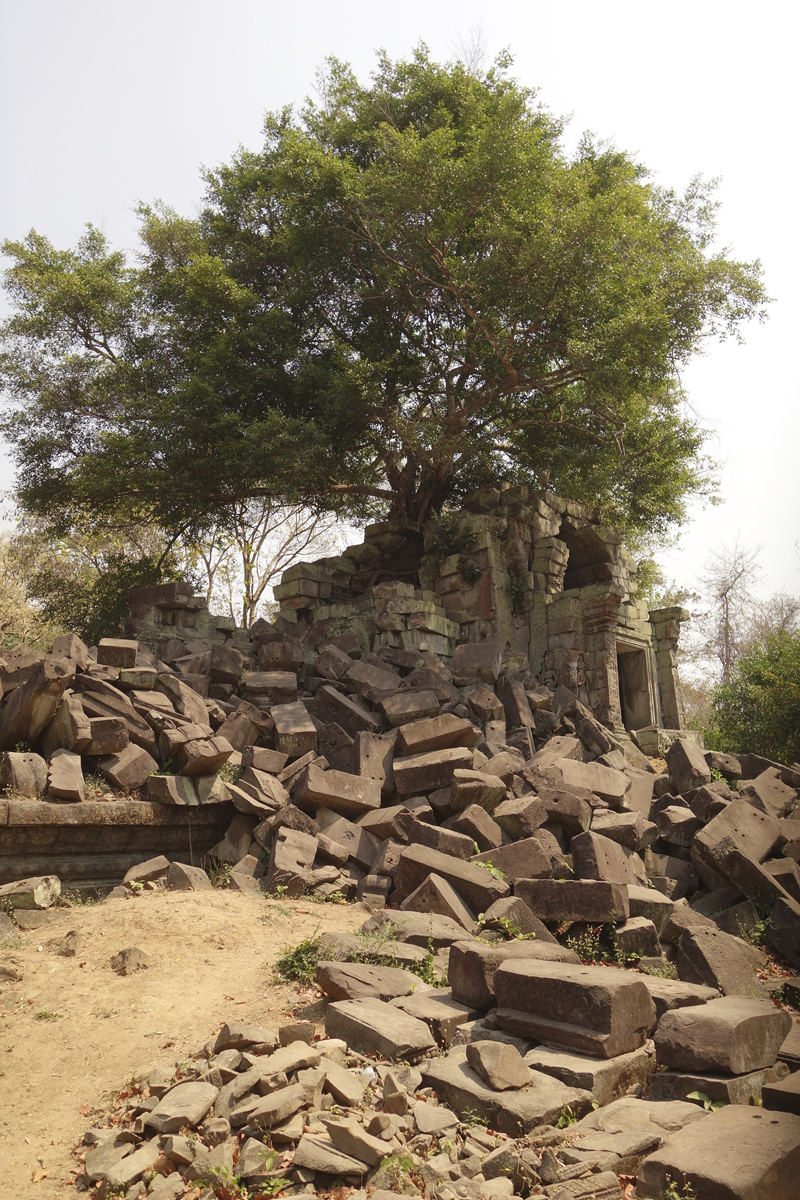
(230, 773)
(220, 873)
(758, 710)
(708, 1104)
(445, 536)
(674, 1192)
(586, 944)
(411, 289)
(566, 1117)
(668, 971)
(297, 964)
(45, 1014)
(491, 868)
(470, 572)
(517, 587)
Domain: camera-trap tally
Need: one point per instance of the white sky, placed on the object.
(104, 104)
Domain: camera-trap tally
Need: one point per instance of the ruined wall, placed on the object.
(541, 575)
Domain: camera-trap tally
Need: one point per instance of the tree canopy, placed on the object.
(410, 289)
(757, 709)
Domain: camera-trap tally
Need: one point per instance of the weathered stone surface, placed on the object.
(428, 772)
(783, 931)
(350, 795)
(667, 994)
(500, 1066)
(433, 1118)
(753, 832)
(440, 1012)
(473, 965)
(734, 1034)
(606, 1079)
(392, 822)
(350, 1138)
(637, 938)
(371, 756)
(129, 961)
(593, 1010)
(331, 706)
(435, 895)
(476, 787)
(183, 878)
(446, 841)
(38, 892)
(736, 1153)
(574, 900)
(597, 857)
(404, 707)
(291, 860)
(526, 859)
(320, 1154)
(715, 958)
(476, 886)
(295, 733)
(69, 729)
(277, 1106)
(687, 766)
(32, 705)
(720, 1089)
(24, 773)
(513, 1112)
(603, 782)
(359, 981)
(171, 789)
(116, 652)
(512, 916)
(372, 1025)
(129, 769)
(150, 869)
(263, 759)
(203, 756)
(235, 1035)
(185, 1104)
(416, 929)
(782, 1095)
(436, 733)
(625, 828)
(521, 817)
(477, 662)
(683, 919)
(647, 902)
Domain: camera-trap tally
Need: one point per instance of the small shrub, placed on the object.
(230, 773)
(445, 536)
(297, 964)
(492, 869)
(470, 572)
(517, 587)
(219, 873)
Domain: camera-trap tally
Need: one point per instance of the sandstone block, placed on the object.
(735, 1035)
(476, 886)
(428, 772)
(597, 857)
(500, 1066)
(291, 861)
(687, 766)
(372, 1025)
(473, 965)
(716, 959)
(65, 776)
(24, 773)
(588, 1009)
(574, 900)
(405, 707)
(435, 895)
(446, 841)
(129, 769)
(117, 652)
(38, 892)
(295, 733)
(363, 981)
(349, 795)
(183, 878)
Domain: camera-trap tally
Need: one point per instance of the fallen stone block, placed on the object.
(116, 652)
(526, 859)
(370, 1026)
(667, 994)
(588, 1009)
(628, 1129)
(414, 929)
(23, 773)
(596, 857)
(436, 733)
(473, 965)
(513, 917)
(65, 776)
(320, 1154)
(203, 756)
(291, 860)
(129, 961)
(69, 729)
(171, 789)
(738, 1152)
(362, 981)
(435, 895)
(185, 1104)
(782, 1095)
(428, 772)
(441, 1013)
(129, 769)
(637, 938)
(603, 782)
(649, 903)
(500, 1066)
(351, 1139)
(514, 1112)
(769, 794)
(349, 795)
(271, 762)
(783, 931)
(586, 900)
(720, 1089)
(476, 885)
(295, 733)
(687, 766)
(627, 829)
(716, 959)
(392, 822)
(753, 832)
(476, 823)
(405, 707)
(446, 841)
(330, 706)
(148, 871)
(734, 1034)
(32, 705)
(372, 756)
(476, 662)
(476, 787)
(183, 878)
(606, 1079)
(38, 892)
(276, 1107)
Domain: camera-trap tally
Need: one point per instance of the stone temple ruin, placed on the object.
(540, 575)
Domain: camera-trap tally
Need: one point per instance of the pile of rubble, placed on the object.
(504, 837)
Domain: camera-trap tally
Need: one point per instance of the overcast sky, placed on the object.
(105, 104)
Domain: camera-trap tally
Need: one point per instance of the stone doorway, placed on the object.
(635, 686)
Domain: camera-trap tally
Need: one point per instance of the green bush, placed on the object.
(758, 710)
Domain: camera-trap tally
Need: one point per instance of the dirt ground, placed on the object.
(211, 956)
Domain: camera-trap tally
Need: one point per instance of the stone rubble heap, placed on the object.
(495, 828)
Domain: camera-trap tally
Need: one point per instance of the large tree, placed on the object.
(412, 288)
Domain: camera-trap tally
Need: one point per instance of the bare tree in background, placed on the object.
(730, 576)
(241, 560)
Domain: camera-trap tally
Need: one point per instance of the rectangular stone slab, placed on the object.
(738, 1152)
(476, 886)
(349, 795)
(512, 1112)
(734, 1034)
(606, 1079)
(473, 965)
(594, 1010)
(574, 900)
(428, 772)
(372, 1026)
